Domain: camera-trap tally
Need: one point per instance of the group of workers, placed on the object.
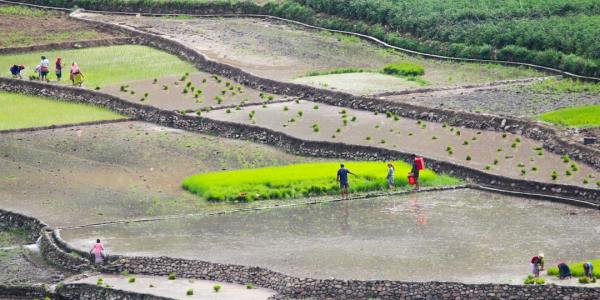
(564, 271)
(43, 69)
(413, 177)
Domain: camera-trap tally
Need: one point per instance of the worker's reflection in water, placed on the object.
(418, 210)
(344, 222)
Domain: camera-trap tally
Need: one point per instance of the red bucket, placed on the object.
(420, 163)
(411, 179)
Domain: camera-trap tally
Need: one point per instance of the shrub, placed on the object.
(285, 108)
(228, 111)
(554, 175)
(216, 288)
(189, 292)
(353, 119)
(404, 69)
(125, 272)
(131, 279)
(487, 167)
(100, 281)
(468, 157)
(315, 127)
(249, 286)
(566, 158)
(584, 280)
(97, 88)
(172, 276)
(316, 107)
(495, 161)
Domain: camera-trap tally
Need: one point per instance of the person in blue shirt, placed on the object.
(16, 71)
(342, 180)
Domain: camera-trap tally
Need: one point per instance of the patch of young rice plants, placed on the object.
(102, 66)
(301, 180)
(582, 116)
(22, 111)
(577, 268)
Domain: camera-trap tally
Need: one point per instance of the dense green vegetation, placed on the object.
(301, 180)
(404, 69)
(577, 268)
(553, 33)
(582, 116)
(103, 66)
(21, 111)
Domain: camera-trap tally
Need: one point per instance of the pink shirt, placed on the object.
(97, 248)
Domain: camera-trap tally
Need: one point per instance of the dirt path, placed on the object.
(516, 156)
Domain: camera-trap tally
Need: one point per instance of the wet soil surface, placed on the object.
(88, 174)
(462, 235)
(50, 27)
(359, 83)
(23, 265)
(197, 91)
(162, 286)
(513, 101)
(283, 52)
(516, 156)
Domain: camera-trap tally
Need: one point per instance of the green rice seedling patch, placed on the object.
(302, 180)
(22, 111)
(577, 268)
(582, 116)
(102, 66)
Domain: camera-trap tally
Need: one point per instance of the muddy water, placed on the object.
(464, 235)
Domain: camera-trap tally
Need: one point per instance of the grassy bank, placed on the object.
(577, 268)
(21, 111)
(301, 180)
(582, 116)
(103, 66)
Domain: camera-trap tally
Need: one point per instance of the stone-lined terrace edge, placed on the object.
(552, 139)
(285, 142)
(59, 253)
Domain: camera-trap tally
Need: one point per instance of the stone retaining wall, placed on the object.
(287, 143)
(55, 252)
(14, 220)
(22, 292)
(551, 139)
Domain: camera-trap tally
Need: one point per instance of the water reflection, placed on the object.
(462, 235)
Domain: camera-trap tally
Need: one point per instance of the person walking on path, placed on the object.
(98, 252)
(16, 71)
(342, 180)
(58, 68)
(75, 75)
(415, 171)
(390, 177)
(44, 69)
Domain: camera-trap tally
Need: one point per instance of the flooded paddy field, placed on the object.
(285, 52)
(87, 174)
(489, 151)
(463, 235)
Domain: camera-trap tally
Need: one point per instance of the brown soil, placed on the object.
(88, 174)
(281, 51)
(408, 136)
(20, 31)
(174, 98)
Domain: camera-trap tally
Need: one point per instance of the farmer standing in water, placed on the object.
(342, 180)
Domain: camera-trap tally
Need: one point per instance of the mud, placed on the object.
(178, 96)
(281, 51)
(463, 235)
(88, 174)
(161, 286)
(476, 149)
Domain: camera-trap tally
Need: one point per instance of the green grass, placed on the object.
(336, 71)
(104, 66)
(17, 10)
(565, 86)
(577, 268)
(21, 111)
(582, 116)
(404, 68)
(301, 180)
